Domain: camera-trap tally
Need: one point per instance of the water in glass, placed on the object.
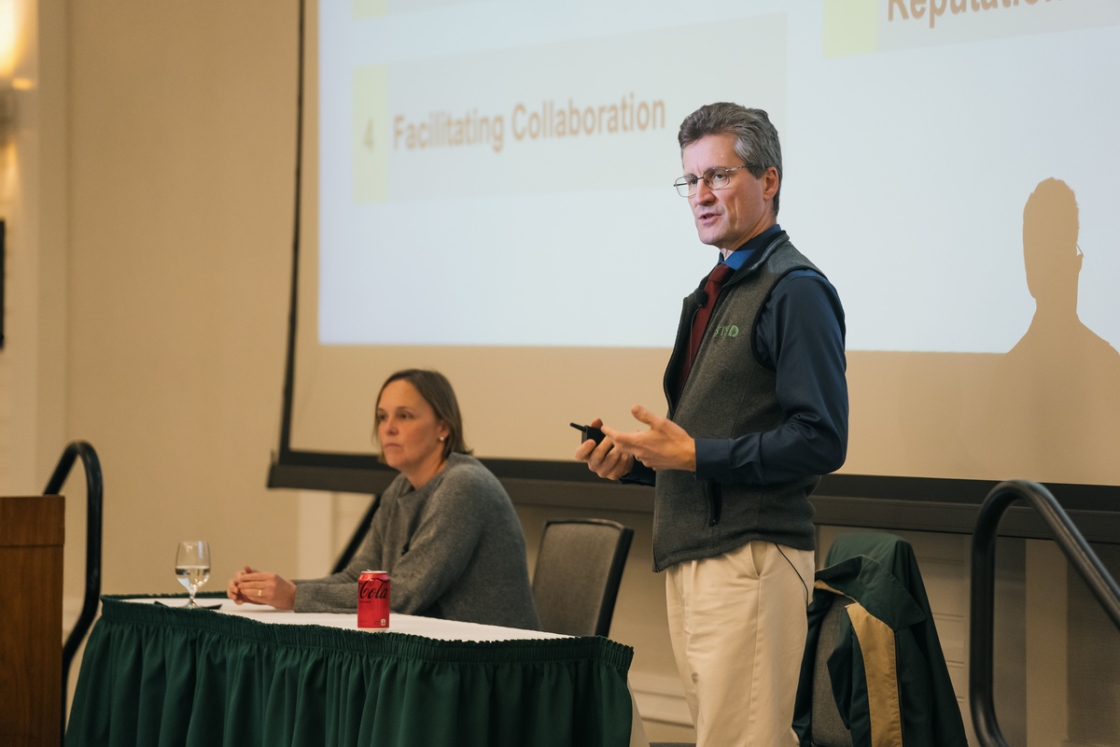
(192, 567)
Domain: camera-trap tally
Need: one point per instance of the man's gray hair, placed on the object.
(756, 138)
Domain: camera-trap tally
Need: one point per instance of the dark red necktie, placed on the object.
(712, 287)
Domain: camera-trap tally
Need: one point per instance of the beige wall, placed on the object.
(150, 223)
(33, 203)
(162, 322)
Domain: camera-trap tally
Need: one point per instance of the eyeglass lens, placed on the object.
(716, 178)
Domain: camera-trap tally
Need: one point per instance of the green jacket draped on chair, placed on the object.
(887, 670)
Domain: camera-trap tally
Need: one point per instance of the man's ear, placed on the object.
(770, 183)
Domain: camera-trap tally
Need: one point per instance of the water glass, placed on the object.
(192, 567)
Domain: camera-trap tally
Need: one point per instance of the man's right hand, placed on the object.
(604, 459)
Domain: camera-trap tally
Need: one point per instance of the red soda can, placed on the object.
(373, 599)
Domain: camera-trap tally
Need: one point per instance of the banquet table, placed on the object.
(154, 673)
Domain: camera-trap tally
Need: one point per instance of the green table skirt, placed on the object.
(154, 675)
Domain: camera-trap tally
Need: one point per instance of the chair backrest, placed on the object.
(828, 727)
(579, 567)
(871, 621)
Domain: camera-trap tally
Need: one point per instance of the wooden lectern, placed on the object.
(32, 531)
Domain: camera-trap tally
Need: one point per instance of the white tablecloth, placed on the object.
(429, 627)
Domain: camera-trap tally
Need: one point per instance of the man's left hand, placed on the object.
(664, 446)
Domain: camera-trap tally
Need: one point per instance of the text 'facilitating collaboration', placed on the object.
(548, 120)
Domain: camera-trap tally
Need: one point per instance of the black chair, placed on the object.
(828, 729)
(579, 568)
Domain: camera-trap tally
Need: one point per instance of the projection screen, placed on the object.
(487, 191)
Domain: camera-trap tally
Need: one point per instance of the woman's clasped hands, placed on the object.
(257, 587)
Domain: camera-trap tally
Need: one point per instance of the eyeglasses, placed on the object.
(715, 178)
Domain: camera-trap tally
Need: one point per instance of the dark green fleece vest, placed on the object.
(729, 393)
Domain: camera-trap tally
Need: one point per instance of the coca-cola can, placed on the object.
(373, 599)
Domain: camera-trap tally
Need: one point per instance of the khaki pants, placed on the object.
(738, 626)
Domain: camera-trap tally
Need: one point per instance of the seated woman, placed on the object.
(445, 532)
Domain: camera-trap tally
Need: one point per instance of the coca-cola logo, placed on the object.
(374, 588)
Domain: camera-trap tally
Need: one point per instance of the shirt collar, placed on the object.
(739, 257)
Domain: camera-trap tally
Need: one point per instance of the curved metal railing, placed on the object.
(1080, 555)
(94, 491)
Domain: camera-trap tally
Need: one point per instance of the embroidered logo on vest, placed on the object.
(726, 330)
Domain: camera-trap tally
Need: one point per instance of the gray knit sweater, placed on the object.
(453, 549)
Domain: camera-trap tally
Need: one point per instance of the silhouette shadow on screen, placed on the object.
(1055, 401)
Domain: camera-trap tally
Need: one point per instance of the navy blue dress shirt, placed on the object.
(800, 335)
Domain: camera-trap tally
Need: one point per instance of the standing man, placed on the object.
(758, 410)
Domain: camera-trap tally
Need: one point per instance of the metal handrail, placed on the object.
(94, 491)
(982, 626)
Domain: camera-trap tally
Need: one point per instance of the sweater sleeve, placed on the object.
(443, 542)
(339, 591)
(800, 334)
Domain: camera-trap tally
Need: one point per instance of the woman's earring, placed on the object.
(442, 438)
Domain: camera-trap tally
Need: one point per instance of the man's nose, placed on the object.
(704, 193)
